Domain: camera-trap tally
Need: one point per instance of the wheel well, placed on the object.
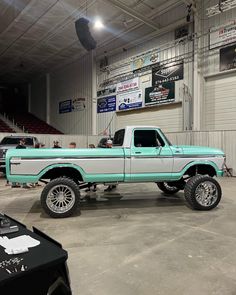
(63, 171)
(202, 169)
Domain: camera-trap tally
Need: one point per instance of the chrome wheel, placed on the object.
(60, 198)
(206, 193)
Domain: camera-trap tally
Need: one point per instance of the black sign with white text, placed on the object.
(167, 73)
(228, 58)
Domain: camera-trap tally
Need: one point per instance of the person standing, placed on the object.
(91, 146)
(21, 145)
(56, 144)
(72, 145)
(110, 186)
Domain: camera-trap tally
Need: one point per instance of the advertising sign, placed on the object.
(106, 104)
(78, 104)
(168, 73)
(223, 35)
(130, 100)
(228, 58)
(128, 85)
(161, 94)
(65, 106)
(106, 91)
(144, 61)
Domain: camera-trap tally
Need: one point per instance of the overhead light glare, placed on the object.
(98, 25)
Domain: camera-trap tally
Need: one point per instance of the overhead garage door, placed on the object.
(168, 117)
(220, 103)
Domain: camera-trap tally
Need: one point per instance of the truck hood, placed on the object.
(197, 150)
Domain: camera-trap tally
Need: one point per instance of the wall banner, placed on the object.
(65, 106)
(106, 104)
(144, 61)
(222, 35)
(106, 91)
(161, 94)
(228, 58)
(167, 73)
(78, 104)
(128, 85)
(130, 100)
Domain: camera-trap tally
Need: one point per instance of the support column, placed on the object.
(94, 93)
(48, 98)
(197, 75)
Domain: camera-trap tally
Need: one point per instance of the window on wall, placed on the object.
(147, 138)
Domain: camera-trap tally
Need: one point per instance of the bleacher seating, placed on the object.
(5, 128)
(32, 124)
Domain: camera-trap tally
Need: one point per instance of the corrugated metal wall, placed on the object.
(169, 51)
(219, 88)
(73, 81)
(38, 97)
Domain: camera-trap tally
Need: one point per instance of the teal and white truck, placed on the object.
(139, 154)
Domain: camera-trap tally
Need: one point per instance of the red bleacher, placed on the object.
(32, 124)
(5, 128)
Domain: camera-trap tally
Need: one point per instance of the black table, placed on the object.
(43, 266)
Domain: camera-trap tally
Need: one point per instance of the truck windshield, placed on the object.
(119, 137)
(15, 140)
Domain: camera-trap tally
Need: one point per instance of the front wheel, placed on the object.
(202, 192)
(60, 197)
(168, 187)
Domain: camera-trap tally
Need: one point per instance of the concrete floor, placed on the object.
(143, 244)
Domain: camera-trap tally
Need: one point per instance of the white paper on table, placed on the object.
(20, 242)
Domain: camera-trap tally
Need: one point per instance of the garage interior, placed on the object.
(54, 86)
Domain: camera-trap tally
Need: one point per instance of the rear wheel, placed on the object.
(168, 187)
(202, 192)
(60, 197)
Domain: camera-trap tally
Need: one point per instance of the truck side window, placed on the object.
(145, 138)
(119, 137)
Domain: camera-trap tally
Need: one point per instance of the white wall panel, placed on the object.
(74, 81)
(220, 103)
(168, 118)
(38, 97)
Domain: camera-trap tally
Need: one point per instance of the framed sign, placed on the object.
(130, 100)
(168, 73)
(129, 85)
(222, 35)
(107, 91)
(161, 94)
(65, 106)
(144, 61)
(78, 104)
(106, 104)
(228, 58)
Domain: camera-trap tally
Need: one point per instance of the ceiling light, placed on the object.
(98, 24)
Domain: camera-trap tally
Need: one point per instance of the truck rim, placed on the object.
(206, 193)
(60, 199)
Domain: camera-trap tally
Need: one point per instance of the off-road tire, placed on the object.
(71, 187)
(167, 188)
(193, 198)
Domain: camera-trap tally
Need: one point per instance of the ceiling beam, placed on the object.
(135, 14)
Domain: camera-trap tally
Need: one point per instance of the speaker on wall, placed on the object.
(84, 35)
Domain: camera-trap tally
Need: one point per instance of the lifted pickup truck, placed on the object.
(139, 154)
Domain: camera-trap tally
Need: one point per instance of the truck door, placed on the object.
(151, 158)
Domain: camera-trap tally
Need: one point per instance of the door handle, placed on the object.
(138, 152)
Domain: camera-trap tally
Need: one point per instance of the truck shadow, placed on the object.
(116, 200)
